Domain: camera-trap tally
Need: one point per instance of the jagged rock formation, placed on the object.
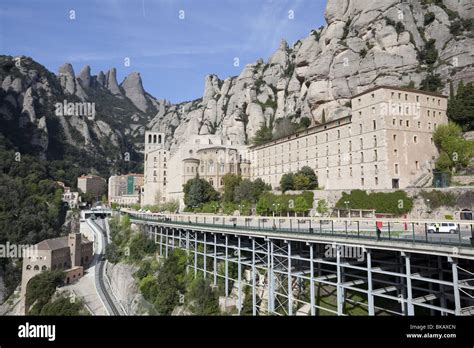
(364, 44)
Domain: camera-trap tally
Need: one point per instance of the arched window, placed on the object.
(211, 182)
(154, 138)
(44, 268)
(28, 267)
(149, 138)
(36, 268)
(159, 139)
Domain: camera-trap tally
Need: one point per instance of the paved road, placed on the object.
(103, 289)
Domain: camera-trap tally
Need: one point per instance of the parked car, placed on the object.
(445, 227)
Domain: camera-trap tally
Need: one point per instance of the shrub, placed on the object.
(439, 199)
(429, 18)
(396, 203)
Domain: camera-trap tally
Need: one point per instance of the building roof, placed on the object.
(403, 89)
(217, 147)
(191, 159)
(90, 176)
(58, 243)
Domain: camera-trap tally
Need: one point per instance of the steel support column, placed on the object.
(311, 279)
(254, 292)
(239, 277)
(410, 308)
(370, 294)
(457, 299)
(338, 285)
(290, 287)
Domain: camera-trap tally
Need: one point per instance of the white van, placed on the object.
(445, 227)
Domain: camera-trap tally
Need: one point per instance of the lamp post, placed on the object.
(429, 206)
(347, 208)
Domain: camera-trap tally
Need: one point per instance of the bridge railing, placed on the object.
(415, 231)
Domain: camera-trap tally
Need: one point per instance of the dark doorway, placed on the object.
(466, 214)
(395, 183)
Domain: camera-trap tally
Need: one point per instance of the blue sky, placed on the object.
(173, 55)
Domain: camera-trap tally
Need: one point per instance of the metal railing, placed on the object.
(414, 231)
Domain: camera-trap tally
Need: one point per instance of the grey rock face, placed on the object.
(85, 76)
(111, 82)
(67, 78)
(132, 85)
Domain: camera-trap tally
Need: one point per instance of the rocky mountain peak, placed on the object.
(133, 87)
(111, 82)
(85, 76)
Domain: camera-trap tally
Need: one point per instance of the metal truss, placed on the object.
(289, 277)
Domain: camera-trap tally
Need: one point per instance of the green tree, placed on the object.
(322, 207)
(461, 105)
(41, 288)
(311, 175)
(263, 205)
(455, 151)
(301, 182)
(62, 306)
(202, 299)
(263, 135)
(198, 191)
(287, 182)
(301, 205)
(171, 282)
(230, 181)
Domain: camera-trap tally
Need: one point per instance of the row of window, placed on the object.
(404, 96)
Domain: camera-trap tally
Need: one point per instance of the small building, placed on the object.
(125, 189)
(92, 184)
(71, 198)
(69, 253)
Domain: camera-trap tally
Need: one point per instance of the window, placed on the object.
(362, 181)
(415, 139)
(376, 180)
(394, 121)
(417, 98)
(339, 134)
(419, 124)
(362, 157)
(375, 155)
(417, 165)
(362, 170)
(375, 141)
(408, 123)
(396, 168)
(339, 172)
(376, 169)
(350, 171)
(406, 96)
(401, 123)
(350, 145)
(374, 123)
(360, 128)
(394, 137)
(327, 137)
(395, 152)
(361, 143)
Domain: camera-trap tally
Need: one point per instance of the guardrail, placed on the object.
(415, 231)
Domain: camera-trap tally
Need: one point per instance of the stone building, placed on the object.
(209, 156)
(69, 253)
(125, 189)
(386, 143)
(92, 184)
